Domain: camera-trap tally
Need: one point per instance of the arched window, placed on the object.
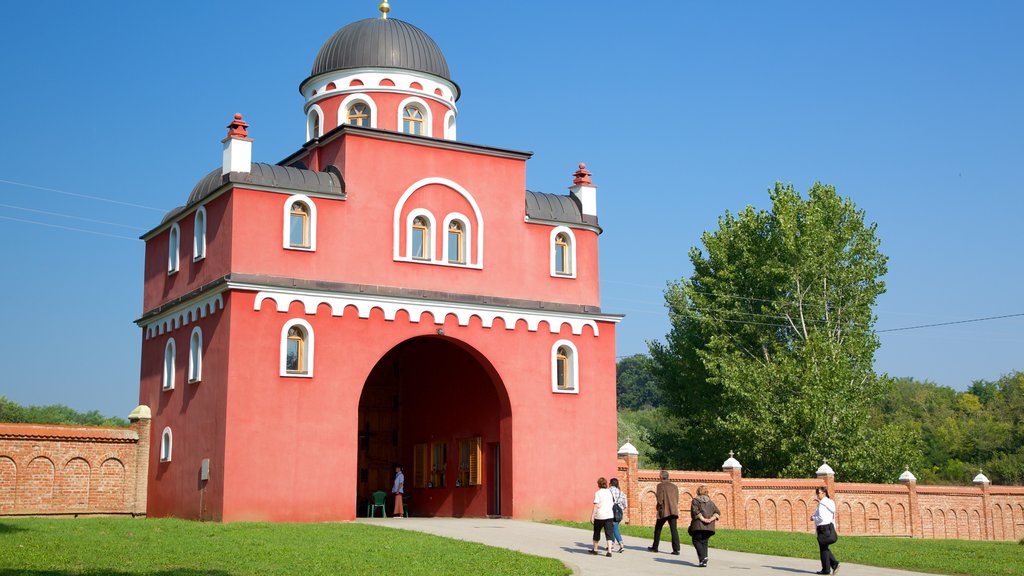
(421, 238)
(359, 115)
(195, 355)
(165, 445)
(449, 125)
(199, 235)
(168, 374)
(314, 123)
(564, 368)
(562, 262)
(298, 226)
(563, 252)
(173, 248)
(297, 349)
(456, 242)
(412, 120)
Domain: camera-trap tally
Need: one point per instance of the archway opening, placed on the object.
(435, 406)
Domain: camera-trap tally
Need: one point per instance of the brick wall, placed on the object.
(47, 469)
(979, 512)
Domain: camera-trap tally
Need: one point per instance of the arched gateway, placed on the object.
(437, 407)
(383, 294)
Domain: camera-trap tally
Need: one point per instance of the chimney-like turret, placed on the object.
(585, 191)
(237, 147)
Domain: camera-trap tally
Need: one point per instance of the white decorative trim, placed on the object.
(428, 115)
(169, 368)
(543, 222)
(431, 233)
(371, 78)
(467, 233)
(572, 252)
(166, 444)
(309, 122)
(195, 356)
(288, 221)
(574, 368)
(284, 347)
(438, 311)
(352, 99)
(449, 125)
(199, 234)
(478, 216)
(183, 315)
(174, 249)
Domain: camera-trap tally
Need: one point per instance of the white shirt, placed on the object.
(825, 513)
(603, 499)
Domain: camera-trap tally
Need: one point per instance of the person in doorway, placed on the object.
(602, 516)
(618, 511)
(825, 525)
(667, 497)
(398, 490)
(703, 515)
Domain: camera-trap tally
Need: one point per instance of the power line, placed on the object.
(77, 195)
(67, 228)
(72, 217)
(951, 323)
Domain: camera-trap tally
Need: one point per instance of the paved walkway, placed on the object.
(572, 545)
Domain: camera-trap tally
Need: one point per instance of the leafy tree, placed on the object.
(771, 344)
(11, 411)
(637, 389)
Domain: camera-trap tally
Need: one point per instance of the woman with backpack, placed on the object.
(618, 510)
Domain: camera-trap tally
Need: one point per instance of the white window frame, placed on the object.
(467, 234)
(166, 444)
(284, 349)
(170, 359)
(354, 98)
(572, 252)
(428, 118)
(432, 233)
(286, 242)
(449, 125)
(574, 368)
(195, 356)
(174, 249)
(309, 122)
(401, 251)
(199, 234)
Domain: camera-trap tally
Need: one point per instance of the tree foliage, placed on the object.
(11, 411)
(635, 384)
(771, 344)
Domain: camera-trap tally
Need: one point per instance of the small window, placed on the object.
(359, 114)
(297, 349)
(563, 252)
(438, 464)
(562, 263)
(165, 445)
(173, 249)
(199, 235)
(420, 238)
(313, 126)
(195, 355)
(420, 465)
(298, 226)
(564, 368)
(412, 120)
(168, 375)
(469, 462)
(456, 242)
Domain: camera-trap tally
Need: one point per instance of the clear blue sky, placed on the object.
(682, 110)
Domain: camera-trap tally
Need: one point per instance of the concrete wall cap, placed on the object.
(981, 478)
(908, 476)
(141, 412)
(825, 469)
(628, 449)
(731, 463)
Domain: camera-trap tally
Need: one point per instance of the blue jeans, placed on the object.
(615, 531)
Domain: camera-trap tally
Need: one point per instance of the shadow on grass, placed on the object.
(7, 528)
(172, 572)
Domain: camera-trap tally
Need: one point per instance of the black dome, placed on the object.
(376, 42)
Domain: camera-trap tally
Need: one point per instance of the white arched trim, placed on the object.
(195, 355)
(467, 234)
(288, 222)
(166, 443)
(173, 249)
(315, 109)
(307, 353)
(478, 216)
(428, 117)
(572, 375)
(572, 252)
(170, 359)
(352, 99)
(449, 125)
(199, 225)
(183, 315)
(438, 311)
(431, 235)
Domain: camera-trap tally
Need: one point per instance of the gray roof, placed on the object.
(381, 43)
(556, 207)
(330, 181)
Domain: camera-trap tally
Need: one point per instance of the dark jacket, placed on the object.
(668, 499)
(702, 506)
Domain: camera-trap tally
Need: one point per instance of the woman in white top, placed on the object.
(602, 515)
(825, 524)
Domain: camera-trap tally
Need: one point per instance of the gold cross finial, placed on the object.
(384, 9)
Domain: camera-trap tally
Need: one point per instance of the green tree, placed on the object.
(771, 344)
(635, 383)
(11, 411)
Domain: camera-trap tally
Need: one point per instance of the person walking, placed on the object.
(618, 500)
(667, 497)
(703, 514)
(825, 525)
(602, 516)
(398, 490)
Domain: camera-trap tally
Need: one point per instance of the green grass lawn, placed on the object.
(165, 547)
(935, 556)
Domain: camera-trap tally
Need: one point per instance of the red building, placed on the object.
(386, 294)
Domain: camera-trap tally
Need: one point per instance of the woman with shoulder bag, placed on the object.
(619, 510)
(703, 515)
(825, 525)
